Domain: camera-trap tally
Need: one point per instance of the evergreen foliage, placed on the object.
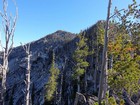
(100, 33)
(80, 59)
(51, 86)
(125, 73)
(80, 56)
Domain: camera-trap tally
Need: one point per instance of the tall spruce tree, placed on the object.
(51, 86)
(80, 56)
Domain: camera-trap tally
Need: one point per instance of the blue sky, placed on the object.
(38, 18)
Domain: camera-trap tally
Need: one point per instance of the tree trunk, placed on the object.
(4, 73)
(60, 91)
(69, 93)
(60, 97)
(104, 57)
(128, 99)
(27, 92)
(56, 98)
(27, 78)
(111, 62)
(105, 85)
(85, 82)
(95, 80)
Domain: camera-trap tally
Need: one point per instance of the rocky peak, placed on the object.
(64, 44)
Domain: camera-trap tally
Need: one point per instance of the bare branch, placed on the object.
(1, 41)
(26, 48)
(116, 13)
(2, 15)
(23, 91)
(9, 25)
(11, 46)
(5, 5)
(14, 22)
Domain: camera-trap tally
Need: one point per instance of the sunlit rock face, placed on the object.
(41, 51)
(63, 44)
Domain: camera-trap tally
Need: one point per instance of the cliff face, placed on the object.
(64, 44)
(40, 62)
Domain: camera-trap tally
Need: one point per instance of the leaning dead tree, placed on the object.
(27, 79)
(102, 82)
(9, 24)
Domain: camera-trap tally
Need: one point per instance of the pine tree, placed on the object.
(79, 57)
(51, 86)
(98, 43)
(125, 74)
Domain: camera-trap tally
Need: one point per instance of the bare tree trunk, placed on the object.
(60, 93)
(61, 82)
(111, 62)
(9, 24)
(27, 80)
(128, 99)
(104, 57)
(105, 85)
(4, 72)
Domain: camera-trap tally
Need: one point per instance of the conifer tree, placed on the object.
(79, 57)
(98, 43)
(125, 74)
(51, 86)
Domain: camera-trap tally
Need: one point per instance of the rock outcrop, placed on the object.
(40, 62)
(64, 44)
